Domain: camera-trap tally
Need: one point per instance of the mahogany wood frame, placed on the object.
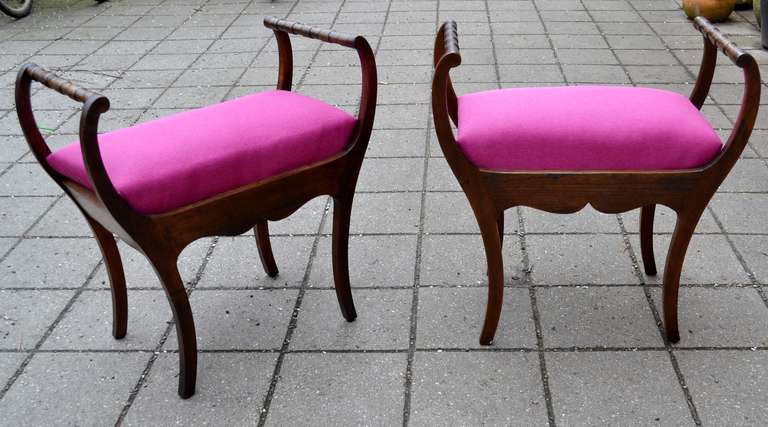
(687, 192)
(162, 237)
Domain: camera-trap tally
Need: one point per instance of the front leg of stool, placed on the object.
(491, 233)
(686, 224)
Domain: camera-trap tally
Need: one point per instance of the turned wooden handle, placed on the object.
(51, 80)
(714, 36)
(300, 29)
(450, 38)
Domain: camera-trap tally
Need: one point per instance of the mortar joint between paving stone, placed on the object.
(659, 325)
(264, 414)
(163, 338)
(412, 331)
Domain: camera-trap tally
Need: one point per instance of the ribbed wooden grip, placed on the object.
(51, 80)
(300, 29)
(718, 39)
(451, 35)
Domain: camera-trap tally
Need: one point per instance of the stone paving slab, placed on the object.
(580, 341)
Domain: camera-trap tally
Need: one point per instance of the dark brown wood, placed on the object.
(114, 266)
(265, 248)
(162, 237)
(342, 211)
(646, 239)
(687, 192)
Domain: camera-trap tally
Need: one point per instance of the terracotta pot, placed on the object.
(714, 10)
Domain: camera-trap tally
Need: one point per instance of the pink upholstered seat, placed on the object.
(581, 128)
(177, 160)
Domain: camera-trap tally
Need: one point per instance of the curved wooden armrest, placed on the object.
(51, 80)
(715, 40)
(300, 29)
(367, 107)
(94, 105)
(446, 56)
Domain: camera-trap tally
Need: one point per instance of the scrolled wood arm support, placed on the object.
(715, 40)
(367, 108)
(94, 105)
(446, 56)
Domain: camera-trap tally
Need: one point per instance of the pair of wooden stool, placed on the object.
(230, 167)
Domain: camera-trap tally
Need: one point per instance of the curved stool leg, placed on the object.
(114, 266)
(342, 211)
(489, 228)
(168, 272)
(500, 225)
(646, 239)
(686, 224)
(261, 231)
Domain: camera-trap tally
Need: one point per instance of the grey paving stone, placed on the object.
(27, 180)
(27, 315)
(12, 148)
(586, 56)
(596, 317)
(594, 74)
(374, 261)
(585, 221)
(139, 272)
(88, 323)
(579, 260)
(62, 388)
(453, 317)
(728, 387)
(645, 57)
(440, 177)
(664, 221)
(754, 251)
(748, 175)
(340, 389)
(6, 243)
(562, 41)
(305, 220)
(383, 321)
(17, 214)
(397, 143)
(740, 213)
(401, 116)
(720, 317)
(709, 260)
(391, 175)
(451, 213)
(64, 219)
(477, 388)
(9, 363)
(383, 213)
(49, 263)
(242, 320)
(530, 73)
(230, 390)
(627, 388)
(235, 263)
(460, 261)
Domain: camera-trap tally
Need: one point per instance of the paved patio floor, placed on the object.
(580, 341)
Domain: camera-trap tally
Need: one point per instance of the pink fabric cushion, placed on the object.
(580, 128)
(180, 159)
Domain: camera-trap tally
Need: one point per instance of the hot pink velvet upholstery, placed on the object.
(581, 128)
(177, 160)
